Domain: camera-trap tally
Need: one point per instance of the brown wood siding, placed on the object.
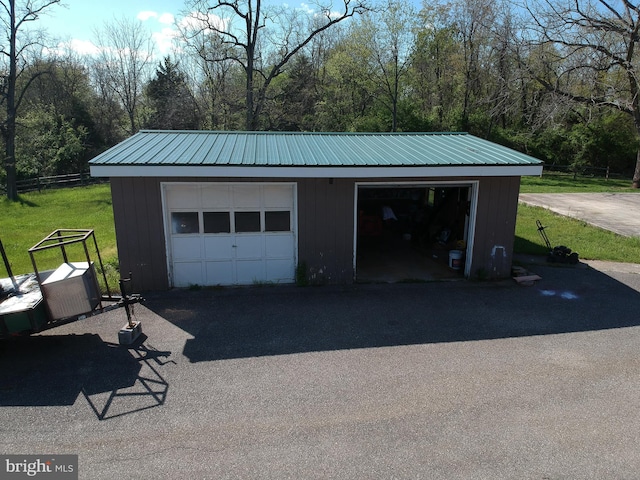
(325, 226)
(495, 227)
(137, 208)
(326, 229)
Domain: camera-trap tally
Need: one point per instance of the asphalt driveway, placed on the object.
(612, 211)
(438, 380)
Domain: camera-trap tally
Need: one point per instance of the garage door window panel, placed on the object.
(279, 221)
(217, 222)
(185, 222)
(247, 222)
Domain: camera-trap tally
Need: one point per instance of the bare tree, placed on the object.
(211, 78)
(390, 37)
(124, 62)
(592, 52)
(17, 45)
(473, 18)
(436, 63)
(507, 84)
(249, 33)
(109, 113)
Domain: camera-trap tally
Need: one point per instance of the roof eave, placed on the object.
(184, 171)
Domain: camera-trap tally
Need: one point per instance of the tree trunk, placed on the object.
(132, 123)
(636, 120)
(636, 173)
(250, 115)
(249, 124)
(9, 129)
(252, 26)
(394, 100)
(10, 163)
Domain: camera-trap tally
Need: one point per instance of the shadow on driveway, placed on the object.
(52, 370)
(55, 369)
(259, 321)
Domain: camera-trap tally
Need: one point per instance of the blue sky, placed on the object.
(75, 21)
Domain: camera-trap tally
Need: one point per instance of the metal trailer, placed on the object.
(45, 299)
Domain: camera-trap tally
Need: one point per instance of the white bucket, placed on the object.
(455, 259)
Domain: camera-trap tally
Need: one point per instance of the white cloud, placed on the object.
(166, 19)
(85, 46)
(146, 15)
(200, 21)
(81, 47)
(164, 39)
(305, 7)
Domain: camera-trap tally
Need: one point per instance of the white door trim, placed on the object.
(471, 184)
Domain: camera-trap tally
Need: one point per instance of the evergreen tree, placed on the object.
(171, 102)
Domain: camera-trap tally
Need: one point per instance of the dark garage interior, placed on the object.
(406, 232)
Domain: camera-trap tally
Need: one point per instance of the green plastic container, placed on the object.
(23, 309)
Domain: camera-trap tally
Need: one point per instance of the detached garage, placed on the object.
(241, 208)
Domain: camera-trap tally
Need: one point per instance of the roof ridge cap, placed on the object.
(271, 132)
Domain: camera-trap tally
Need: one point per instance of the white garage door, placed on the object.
(230, 234)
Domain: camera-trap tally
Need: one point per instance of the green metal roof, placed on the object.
(294, 149)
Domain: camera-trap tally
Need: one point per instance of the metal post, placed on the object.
(64, 250)
(104, 274)
(125, 301)
(8, 266)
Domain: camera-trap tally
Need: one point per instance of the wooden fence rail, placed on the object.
(55, 181)
(602, 172)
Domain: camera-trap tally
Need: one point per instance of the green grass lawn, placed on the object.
(23, 224)
(590, 242)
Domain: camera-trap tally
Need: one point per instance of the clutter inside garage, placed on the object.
(411, 233)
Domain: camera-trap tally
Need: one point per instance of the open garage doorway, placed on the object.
(412, 232)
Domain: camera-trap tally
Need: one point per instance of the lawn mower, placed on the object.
(560, 254)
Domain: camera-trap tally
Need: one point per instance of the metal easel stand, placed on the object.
(130, 332)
